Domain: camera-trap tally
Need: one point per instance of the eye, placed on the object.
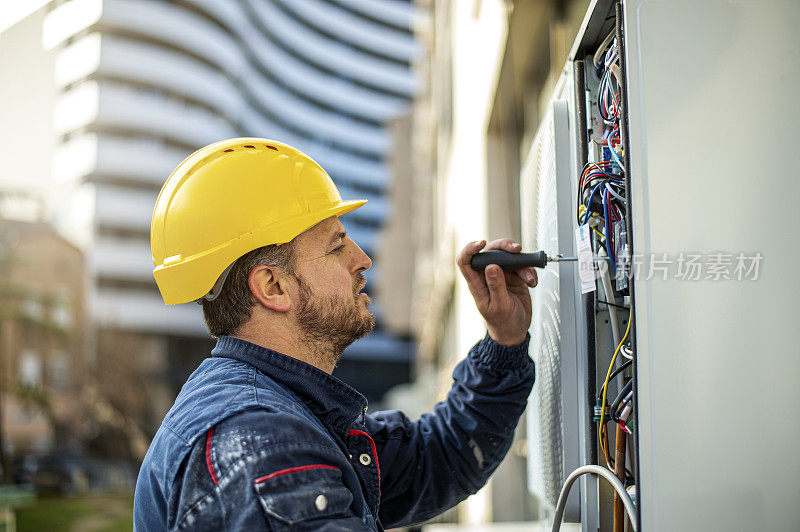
(338, 249)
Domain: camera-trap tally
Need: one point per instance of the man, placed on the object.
(262, 436)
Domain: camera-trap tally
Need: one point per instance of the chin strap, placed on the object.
(217, 288)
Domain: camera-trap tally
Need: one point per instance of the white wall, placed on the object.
(27, 97)
(477, 48)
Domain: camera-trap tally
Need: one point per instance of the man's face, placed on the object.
(328, 267)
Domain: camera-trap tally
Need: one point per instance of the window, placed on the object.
(62, 315)
(58, 370)
(32, 308)
(30, 368)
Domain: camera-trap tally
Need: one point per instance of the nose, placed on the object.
(359, 260)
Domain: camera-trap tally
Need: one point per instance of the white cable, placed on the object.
(617, 72)
(626, 401)
(603, 45)
(626, 412)
(610, 189)
(612, 55)
(606, 474)
(627, 352)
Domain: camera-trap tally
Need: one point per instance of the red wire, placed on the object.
(595, 166)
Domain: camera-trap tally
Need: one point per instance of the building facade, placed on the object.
(43, 352)
(489, 70)
(128, 88)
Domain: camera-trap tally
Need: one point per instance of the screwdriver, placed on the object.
(514, 261)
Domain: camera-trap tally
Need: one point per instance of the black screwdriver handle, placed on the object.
(508, 261)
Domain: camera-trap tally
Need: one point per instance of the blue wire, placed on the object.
(589, 203)
(607, 219)
(601, 89)
(616, 158)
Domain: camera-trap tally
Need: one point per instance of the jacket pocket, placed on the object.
(304, 497)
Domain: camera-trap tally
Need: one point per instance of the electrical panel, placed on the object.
(574, 180)
(675, 195)
(602, 222)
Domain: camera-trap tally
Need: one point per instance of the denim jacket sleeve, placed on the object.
(245, 475)
(432, 464)
(236, 478)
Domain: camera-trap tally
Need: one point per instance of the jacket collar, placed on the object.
(331, 400)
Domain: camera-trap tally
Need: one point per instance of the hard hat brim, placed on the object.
(188, 279)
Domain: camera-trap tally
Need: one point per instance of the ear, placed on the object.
(268, 288)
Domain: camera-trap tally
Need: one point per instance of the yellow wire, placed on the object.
(605, 386)
(581, 210)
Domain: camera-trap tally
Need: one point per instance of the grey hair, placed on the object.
(228, 312)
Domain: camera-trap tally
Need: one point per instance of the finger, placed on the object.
(530, 276)
(496, 284)
(469, 250)
(506, 244)
(475, 280)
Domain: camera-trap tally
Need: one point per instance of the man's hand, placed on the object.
(502, 298)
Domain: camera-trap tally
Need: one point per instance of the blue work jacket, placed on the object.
(257, 440)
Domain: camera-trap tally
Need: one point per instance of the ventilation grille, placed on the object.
(250, 147)
(540, 225)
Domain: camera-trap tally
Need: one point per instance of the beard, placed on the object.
(333, 323)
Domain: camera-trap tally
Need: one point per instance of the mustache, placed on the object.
(359, 283)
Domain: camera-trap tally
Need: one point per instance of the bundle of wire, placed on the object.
(602, 433)
(601, 204)
(601, 190)
(601, 196)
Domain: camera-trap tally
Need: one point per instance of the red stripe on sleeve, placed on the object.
(293, 470)
(208, 456)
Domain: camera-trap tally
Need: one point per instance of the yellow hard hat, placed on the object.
(230, 198)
